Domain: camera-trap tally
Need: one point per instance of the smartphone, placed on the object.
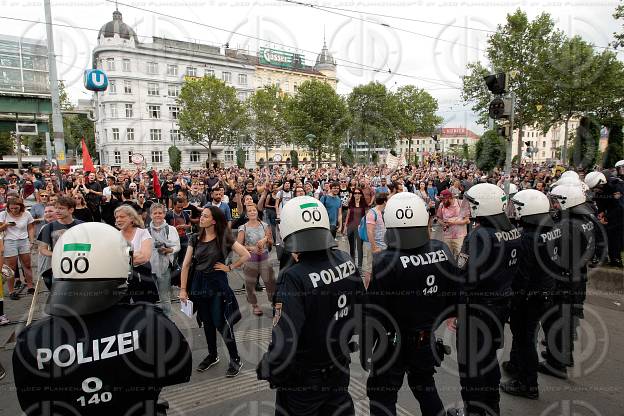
(11, 222)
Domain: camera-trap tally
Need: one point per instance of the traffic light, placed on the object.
(497, 83)
(435, 138)
(500, 108)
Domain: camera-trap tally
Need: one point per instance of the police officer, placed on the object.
(489, 260)
(413, 287)
(608, 196)
(314, 317)
(91, 355)
(579, 227)
(532, 289)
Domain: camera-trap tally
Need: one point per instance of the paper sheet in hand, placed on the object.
(187, 308)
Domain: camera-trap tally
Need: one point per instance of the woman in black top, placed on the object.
(82, 212)
(212, 295)
(357, 209)
(268, 205)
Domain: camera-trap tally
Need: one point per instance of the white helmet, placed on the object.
(619, 164)
(571, 181)
(488, 200)
(532, 207)
(570, 174)
(304, 225)
(91, 263)
(513, 189)
(594, 179)
(407, 221)
(571, 198)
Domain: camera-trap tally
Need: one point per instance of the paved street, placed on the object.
(595, 387)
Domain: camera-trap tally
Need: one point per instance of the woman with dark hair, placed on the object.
(82, 212)
(19, 234)
(356, 210)
(212, 295)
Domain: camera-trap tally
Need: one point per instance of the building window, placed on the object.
(155, 135)
(543, 154)
(105, 134)
(174, 135)
(110, 64)
(152, 88)
(126, 65)
(242, 79)
(295, 86)
(228, 155)
(152, 68)
(127, 87)
(210, 73)
(194, 156)
(115, 134)
(117, 157)
(130, 133)
(543, 144)
(247, 155)
(113, 111)
(130, 153)
(173, 90)
(153, 111)
(157, 156)
(286, 86)
(191, 71)
(226, 76)
(112, 87)
(129, 112)
(174, 112)
(172, 70)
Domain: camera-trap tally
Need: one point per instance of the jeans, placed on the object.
(355, 241)
(270, 216)
(163, 284)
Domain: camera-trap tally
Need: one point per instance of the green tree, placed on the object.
(175, 158)
(294, 158)
(375, 115)
(348, 159)
(586, 149)
(7, 143)
(490, 151)
(619, 37)
(64, 97)
(268, 124)
(317, 117)
(465, 151)
(240, 158)
(211, 113)
(75, 127)
(417, 113)
(615, 146)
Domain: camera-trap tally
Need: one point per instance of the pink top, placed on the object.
(454, 212)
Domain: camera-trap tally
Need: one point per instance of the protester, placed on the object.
(453, 221)
(356, 209)
(19, 235)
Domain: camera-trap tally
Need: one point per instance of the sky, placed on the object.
(396, 49)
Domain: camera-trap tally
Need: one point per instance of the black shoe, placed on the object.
(207, 363)
(616, 264)
(234, 368)
(259, 287)
(454, 412)
(550, 370)
(510, 368)
(18, 284)
(517, 388)
(14, 296)
(31, 291)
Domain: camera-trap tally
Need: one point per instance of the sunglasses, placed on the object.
(357, 193)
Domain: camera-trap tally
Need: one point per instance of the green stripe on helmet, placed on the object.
(308, 205)
(77, 247)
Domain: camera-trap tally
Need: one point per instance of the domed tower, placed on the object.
(325, 63)
(117, 32)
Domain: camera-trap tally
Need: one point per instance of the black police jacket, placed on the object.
(540, 261)
(412, 289)
(489, 260)
(579, 243)
(114, 362)
(314, 314)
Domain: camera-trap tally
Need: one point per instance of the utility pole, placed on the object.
(57, 118)
(510, 145)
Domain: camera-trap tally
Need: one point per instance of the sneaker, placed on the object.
(234, 368)
(549, 370)
(14, 296)
(4, 320)
(18, 284)
(517, 388)
(207, 363)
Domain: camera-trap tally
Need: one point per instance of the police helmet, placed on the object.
(532, 207)
(594, 179)
(571, 181)
(513, 188)
(570, 174)
(619, 164)
(571, 198)
(90, 265)
(304, 225)
(489, 201)
(407, 221)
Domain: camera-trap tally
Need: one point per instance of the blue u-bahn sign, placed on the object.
(95, 80)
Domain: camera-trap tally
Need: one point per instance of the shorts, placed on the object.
(367, 257)
(13, 248)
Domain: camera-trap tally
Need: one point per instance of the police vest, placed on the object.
(114, 362)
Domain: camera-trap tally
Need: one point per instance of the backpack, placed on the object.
(362, 227)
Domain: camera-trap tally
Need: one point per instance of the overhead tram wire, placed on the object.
(359, 65)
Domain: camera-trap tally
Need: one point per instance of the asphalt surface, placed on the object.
(595, 386)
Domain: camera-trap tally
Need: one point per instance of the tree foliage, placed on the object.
(240, 158)
(619, 37)
(294, 158)
(75, 127)
(586, 149)
(347, 157)
(267, 122)
(211, 113)
(7, 143)
(317, 117)
(175, 158)
(490, 151)
(615, 146)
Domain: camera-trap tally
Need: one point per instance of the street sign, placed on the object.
(95, 80)
(26, 129)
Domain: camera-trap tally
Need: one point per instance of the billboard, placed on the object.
(280, 59)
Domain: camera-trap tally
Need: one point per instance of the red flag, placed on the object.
(87, 162)
(157, 190)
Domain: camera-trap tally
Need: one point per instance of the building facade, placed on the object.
(138, 112)
(448, 138)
